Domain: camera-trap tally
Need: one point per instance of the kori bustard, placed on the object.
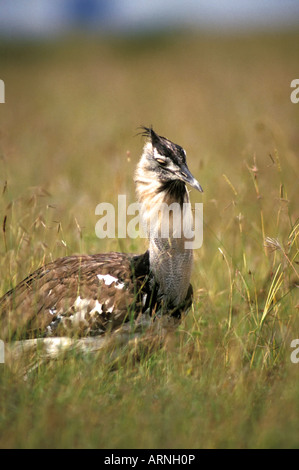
(90, 295)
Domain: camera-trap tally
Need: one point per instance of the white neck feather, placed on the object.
(170, 261)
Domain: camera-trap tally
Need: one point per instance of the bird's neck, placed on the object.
(165, 212)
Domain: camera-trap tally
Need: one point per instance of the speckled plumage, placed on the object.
(88, 295)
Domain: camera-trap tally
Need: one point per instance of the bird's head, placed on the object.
(164, 162)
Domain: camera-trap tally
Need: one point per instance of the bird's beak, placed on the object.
(187, 177)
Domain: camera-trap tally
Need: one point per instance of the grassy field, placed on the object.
(67, 143)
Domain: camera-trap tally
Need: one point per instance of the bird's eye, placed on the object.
(161, 161)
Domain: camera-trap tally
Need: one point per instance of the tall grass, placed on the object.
(225, 379)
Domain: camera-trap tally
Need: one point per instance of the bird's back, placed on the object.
(83, 295)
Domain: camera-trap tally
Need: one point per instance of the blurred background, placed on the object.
(50, 17)
(81, 76)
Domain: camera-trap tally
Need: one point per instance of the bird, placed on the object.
(101, 294)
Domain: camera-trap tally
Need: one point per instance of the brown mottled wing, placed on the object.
(83, 295)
